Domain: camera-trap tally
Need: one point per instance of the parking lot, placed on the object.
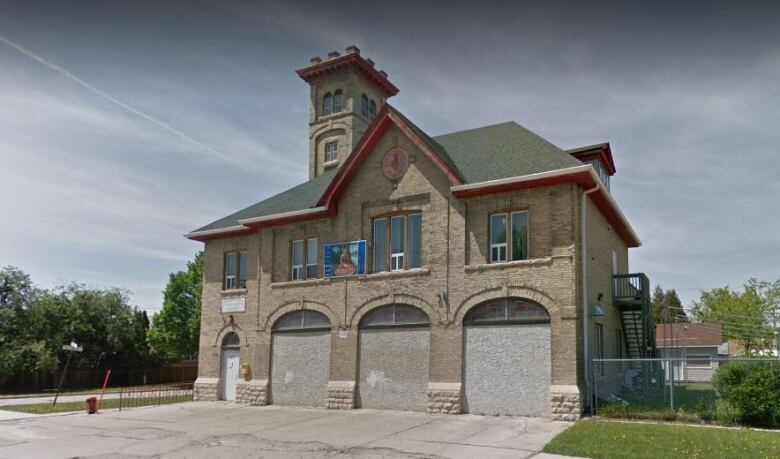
(220, 429)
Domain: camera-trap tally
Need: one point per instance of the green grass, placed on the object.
(604, 439)
(65, 407)
(86, 391)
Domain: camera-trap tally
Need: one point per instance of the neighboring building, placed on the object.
(694, 348)
(412, 272)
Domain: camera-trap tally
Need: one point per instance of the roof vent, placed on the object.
(315, 60)
(333, 54)
(352, 49)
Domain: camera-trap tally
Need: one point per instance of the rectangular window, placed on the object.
(508, 236)
(699, 361)
(236, 268)
(380, 245)
(618, 343)
(498, 238)
(331, 151)
(311, 258)
(414, 222)
(297, 260)
(398, 242)
(599, 350)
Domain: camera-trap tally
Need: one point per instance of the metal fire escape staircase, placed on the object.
(631, 294)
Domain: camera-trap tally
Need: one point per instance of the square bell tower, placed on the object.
(346, 93)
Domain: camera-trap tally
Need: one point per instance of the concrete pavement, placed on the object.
(219, 429)
(50, 398)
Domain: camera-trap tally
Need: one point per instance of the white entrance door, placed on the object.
(229, 373)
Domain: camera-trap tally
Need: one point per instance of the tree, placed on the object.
(742, 314)
(667, 302)
(175, 329)
(16, 288)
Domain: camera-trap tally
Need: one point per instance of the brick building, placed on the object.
(445, 273)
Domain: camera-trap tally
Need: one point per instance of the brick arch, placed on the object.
(506, 291)
(231, 327)
(290, 306)
(397, 298)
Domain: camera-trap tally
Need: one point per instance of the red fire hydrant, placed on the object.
(92, 405)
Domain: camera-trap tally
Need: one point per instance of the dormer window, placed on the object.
(372, 110)
(338, 101)
(327, 104)
(601, 171)
(364, 105)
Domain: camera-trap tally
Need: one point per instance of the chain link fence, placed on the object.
(666, 388)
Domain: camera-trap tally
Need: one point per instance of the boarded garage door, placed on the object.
(394, 358)
(300, 359)
(507, 359)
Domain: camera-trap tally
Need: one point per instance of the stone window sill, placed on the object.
(396, 274)
(508, 265)
(330, 164)
(233, 292)
(301, 283)
(366, 277)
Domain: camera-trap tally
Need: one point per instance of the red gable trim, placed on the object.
(207, 236)
(349, 61)
(386, 116)
(584, 178)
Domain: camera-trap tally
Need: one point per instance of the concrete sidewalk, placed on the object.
(218, 429)
(26, 400)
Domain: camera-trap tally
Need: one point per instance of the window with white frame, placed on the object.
(331, 151)
(508, 236)
(398, 242)
(327, 104)
(235, 269)
(699, 361)
(304, 259)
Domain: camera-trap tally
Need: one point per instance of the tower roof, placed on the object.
(352, 61)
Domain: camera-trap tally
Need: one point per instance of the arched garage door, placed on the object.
(394, 358)
(507, 358)
(300, 359)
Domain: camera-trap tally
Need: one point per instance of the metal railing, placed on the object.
(630, 286)
(160, 395)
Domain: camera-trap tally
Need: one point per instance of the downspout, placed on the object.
(585, 308)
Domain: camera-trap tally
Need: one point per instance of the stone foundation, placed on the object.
(205, 389)
(253, 392)
(565, 403)
(341, 395)
(444, 398)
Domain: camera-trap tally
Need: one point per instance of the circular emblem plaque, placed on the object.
(394, 163)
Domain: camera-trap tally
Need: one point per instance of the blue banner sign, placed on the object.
(345, 259)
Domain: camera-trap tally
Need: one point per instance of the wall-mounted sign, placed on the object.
(234, 304)
(394, 163)
(345, 259)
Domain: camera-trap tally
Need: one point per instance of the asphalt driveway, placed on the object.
(219, 429)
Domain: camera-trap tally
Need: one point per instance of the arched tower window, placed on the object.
(507, 310)
(231, 340)
(395, 315)
(338, 101)
(372, 110)
(364, 105)
(327, 104)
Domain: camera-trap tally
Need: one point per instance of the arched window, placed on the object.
(231, 340)
(338, 101)
(302, 320)
(395, 315)
(364, 105)
(507, 310)
(372, 110)
(327, 104)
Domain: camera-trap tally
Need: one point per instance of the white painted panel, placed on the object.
(300, 368)
(229, 374)
(507, 370)
(394, 365)
(234, 304)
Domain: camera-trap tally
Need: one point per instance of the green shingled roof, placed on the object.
(477, 155)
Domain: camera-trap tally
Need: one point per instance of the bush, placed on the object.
(752, 389)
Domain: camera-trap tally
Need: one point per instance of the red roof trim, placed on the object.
(370, 139)
(349, 61)
(585, 180)
(208, 237)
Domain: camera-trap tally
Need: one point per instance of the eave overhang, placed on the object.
(351, 61)
(600, 151)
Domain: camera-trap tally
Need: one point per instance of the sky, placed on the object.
(124, 124)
